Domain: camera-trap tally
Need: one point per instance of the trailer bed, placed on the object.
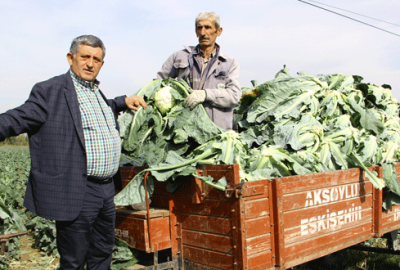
(267, 224)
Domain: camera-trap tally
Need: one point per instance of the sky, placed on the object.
(263, 36)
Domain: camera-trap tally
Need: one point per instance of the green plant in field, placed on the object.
(14, 173)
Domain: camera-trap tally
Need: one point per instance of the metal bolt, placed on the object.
(234, 228)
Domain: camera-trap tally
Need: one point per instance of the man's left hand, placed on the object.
(133, 102)
(195, 98)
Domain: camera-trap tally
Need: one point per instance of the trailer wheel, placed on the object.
(332, 261)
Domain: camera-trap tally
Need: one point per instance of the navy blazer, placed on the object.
(52, 120)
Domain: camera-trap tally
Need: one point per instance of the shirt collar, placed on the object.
(201, 53)
(92, 85)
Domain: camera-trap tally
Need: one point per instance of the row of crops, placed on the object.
(14, 218)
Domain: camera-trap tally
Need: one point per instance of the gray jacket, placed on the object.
(222, 86)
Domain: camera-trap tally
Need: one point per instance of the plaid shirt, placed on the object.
(200, 71)
(102, 141)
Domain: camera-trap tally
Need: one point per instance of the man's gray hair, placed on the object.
(89, 40)
(207, 14)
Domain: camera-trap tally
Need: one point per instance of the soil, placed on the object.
(31, 258)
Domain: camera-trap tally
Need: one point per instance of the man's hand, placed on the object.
(195, 98)
(133, 102)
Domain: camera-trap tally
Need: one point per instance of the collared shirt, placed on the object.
(102, 141)
(200, 71)
(204, 61)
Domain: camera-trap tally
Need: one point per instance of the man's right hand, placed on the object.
(133, 102)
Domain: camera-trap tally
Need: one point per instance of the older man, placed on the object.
(75, 148)
(212, 74)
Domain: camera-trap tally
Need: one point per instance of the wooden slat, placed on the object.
(208, 207)
(135, 232)
(208, 241)
(257, 226)
(208, 224)
(254, 188)
(315, 245)
(154, 212)
(277, 230)
(258, 244)
(391, 219)
(325, 251)
(175, 230)
(239, 235)
(260, 261)
(207, 257)
(256, 208)
(327, 195)
(322, 212)
(318, 228)
(320, 180)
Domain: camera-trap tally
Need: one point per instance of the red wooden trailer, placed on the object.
(268, 224)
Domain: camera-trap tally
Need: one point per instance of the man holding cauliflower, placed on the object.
(212, 75)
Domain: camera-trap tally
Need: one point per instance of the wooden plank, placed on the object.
(208, 224)
(239, 234)
(260, 261)
(154, 212)
(209, 207)
(325, 251)
(377, 206)
(176, 248)
(209, 258)
(258, 226)
(256, 208)
(258, 244)
(199, 194)
(230, 172)
(314, 245)
(397, 169)
(318, 228)
(160, 235)
(136, 233)
(216, 242)
(350, 209)
(133, 231)
(277, 223)
(253, 188)
(188, 190)
(326, 195)
(320, 180)
(390, 219)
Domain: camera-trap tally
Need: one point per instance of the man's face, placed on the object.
(207, 32)
(87, 62)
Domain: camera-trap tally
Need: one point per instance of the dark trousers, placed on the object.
(90, 237)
